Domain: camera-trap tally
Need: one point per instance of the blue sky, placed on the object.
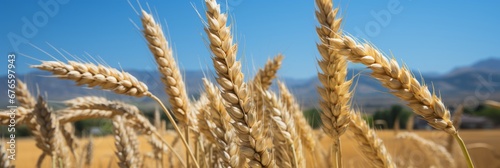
(429, 36)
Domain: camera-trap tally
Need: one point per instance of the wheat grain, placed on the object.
(371, 146)
(234, 90)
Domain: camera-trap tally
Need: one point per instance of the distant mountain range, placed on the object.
(469, 85)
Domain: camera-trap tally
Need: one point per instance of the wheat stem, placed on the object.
(183, 139)
(461, 143)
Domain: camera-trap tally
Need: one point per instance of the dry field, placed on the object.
(238, 123)
(104, 151)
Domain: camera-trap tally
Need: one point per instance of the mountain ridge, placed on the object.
(463, 84)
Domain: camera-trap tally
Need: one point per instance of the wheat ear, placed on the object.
(492, 103)
(371, 146)
(262, 81)
(223, 132)
(49, 128)
(134, 143)
(205, 123)
(71, 140)
(26, 105)
(335, 91)
(122, 144)
(4, 159)
(265, 75)
(402, 84)
(24, 96)
(108, 79)
(284, 127)
(96, 75)
(234, 90)
(98, 107)
(89, 152)
(171, 75)
(301, 125)
(439, 152)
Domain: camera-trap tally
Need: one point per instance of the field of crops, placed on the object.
(104, 155)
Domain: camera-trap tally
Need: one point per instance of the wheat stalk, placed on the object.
(402, 84)
(335, 91)
(457, 120)
(234, 90)
(371, 146)
(171, 75)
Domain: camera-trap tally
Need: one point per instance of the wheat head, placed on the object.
(371, 146)
(167, 66)
(334, 92)
(284, 126)
(234, 90)
(223, 131)
(399, 80)
(123, 146)
(303, 128)
(438, 152)
(97, 75)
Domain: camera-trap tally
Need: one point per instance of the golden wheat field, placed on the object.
(104, 157)
(237, 122)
